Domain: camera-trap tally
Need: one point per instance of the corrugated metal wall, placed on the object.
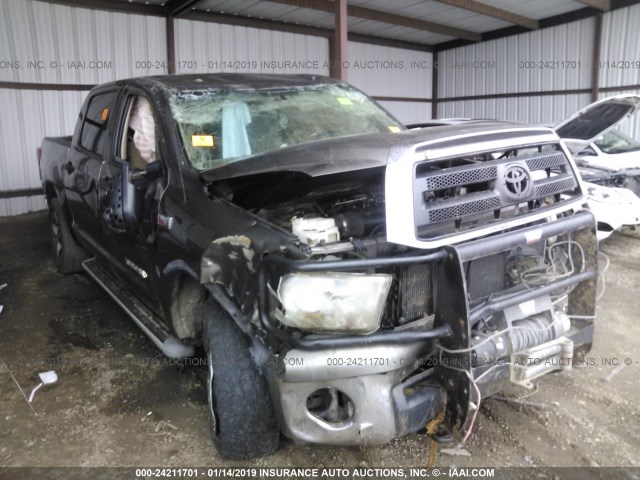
(393, 72)
(48, 43)
(211, 47)
(620, 50)
(517, 64)
(620, 53)
(505, 71)
(557, 58)
(538, 110)
(512, 64)
(77, 45)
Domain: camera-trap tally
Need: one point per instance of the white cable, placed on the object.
(33, 392)
(601, 276)
(475, 413)
(549, 271)
(479, 395)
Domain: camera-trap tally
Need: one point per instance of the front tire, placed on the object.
(67, 254)
(241, 417)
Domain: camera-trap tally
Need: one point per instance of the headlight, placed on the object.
(333, 302)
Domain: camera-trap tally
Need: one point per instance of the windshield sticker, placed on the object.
(202, 140)
(105, 114)
(393, 128)
(344, 101)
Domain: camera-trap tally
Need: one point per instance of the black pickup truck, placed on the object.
(350, 281)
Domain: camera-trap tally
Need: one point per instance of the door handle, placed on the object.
(68, 167)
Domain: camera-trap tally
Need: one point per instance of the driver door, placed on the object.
(129, 204)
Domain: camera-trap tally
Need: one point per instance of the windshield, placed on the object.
(616, 142)
(224, 126)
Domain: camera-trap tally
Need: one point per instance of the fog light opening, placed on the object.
(603, 227)
(330, 405)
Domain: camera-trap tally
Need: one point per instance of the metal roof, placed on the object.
(537, 9)
(438, 24)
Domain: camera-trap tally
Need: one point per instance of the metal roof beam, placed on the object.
(238, 20)
(488, 10)
(385, 17)
(603, 5)
(175, 8)
(418, 24)
(571, 16)
(110, 6)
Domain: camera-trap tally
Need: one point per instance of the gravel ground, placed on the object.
(118, 403)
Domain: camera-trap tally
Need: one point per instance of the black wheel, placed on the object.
(242, 420)
(67, 254)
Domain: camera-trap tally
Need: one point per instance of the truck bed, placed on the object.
(53, 155)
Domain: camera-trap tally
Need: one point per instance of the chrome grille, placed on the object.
(448, 198)
(555, 185)
(462, 177)
(467, 208)
(547, 161)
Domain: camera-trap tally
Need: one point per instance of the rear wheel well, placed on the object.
(49, 192)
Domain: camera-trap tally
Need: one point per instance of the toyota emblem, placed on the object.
(517, 180)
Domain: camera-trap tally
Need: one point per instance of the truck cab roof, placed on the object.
(231, 81)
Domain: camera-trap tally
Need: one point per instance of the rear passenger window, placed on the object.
(95, 121)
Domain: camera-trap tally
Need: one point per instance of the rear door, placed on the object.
(91, 143)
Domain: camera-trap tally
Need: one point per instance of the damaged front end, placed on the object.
(416, 289)
(480, 331)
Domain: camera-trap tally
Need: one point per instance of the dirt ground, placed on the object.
(117, 404)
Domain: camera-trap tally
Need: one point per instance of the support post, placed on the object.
(340, 40)
(171, 46)
(434, 86)
(597, 54)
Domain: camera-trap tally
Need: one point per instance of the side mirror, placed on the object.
(151, 171)
(129, 207)
(588, 152)
(121, 214)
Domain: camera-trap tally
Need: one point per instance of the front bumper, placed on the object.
(384, 405)
(386, 401)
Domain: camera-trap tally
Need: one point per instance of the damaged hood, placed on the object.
(596, 119)
(314, 159)
(343, 154)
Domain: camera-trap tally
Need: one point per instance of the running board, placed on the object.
(144, 318)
